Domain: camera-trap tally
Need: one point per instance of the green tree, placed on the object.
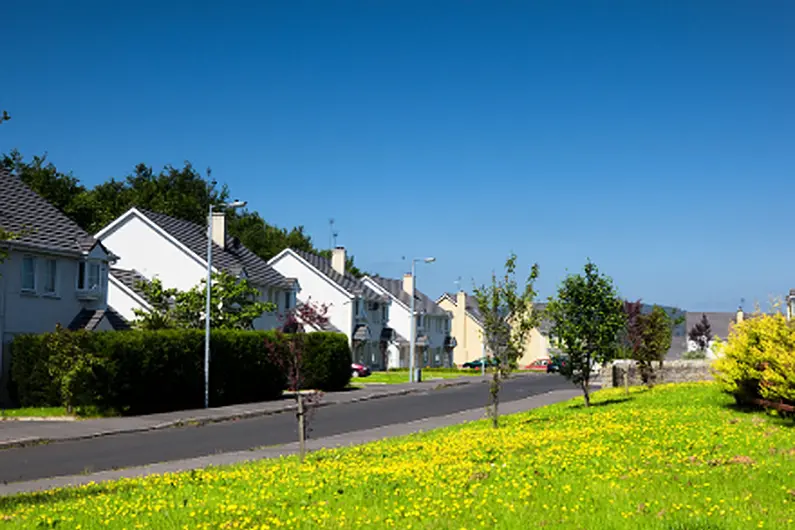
(587, 317)
(234, 304)
(656, 331)
(508, 317)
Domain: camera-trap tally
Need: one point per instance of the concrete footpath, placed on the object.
(21, 433)
(347, 439)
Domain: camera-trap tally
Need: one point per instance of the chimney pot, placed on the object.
(408, 283)
(338, 259)
(219, 229)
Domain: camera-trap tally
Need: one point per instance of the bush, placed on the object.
(758, 360)
(694, 355)
(327, 361)
(141, 372)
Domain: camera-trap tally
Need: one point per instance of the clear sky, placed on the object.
(656, 138)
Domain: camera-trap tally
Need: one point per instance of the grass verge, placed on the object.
(396, 377)
(34, 412)
(678, 457)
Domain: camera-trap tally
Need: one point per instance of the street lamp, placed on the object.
(231, 206)
(413, 339)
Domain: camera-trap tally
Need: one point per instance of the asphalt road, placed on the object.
(137, 449)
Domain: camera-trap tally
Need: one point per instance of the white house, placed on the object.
(53, 272)
(175, 251)
(434, 345)
(354, 309)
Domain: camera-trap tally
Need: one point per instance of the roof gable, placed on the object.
(347, 282)
(40, 224)
(235, 259)
(422, 302)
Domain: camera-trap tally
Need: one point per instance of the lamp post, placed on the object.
(230, 205)
(414, 377)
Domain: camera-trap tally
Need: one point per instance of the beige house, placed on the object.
(467, 330)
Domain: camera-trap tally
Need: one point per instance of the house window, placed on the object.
(419, 321)
(29, 274)
(287, 300)
(50, 271)
(356, 308)
(88, 276)
(384, 313)
(446, 325)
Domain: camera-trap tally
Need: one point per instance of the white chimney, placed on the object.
(408, 283)
(219, 229)
(338, 259)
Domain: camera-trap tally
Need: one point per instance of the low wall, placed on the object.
(679, 371)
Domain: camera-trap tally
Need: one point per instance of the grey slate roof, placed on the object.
(234, 259)
(130, 279)
(422, 302)
(719, 321)
(43, 225)
(472, 306)
(89, 319)
(348, 282)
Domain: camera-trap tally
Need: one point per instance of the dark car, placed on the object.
(556, 364)
(478, 363)
(359, 370)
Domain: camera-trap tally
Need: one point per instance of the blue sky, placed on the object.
(655, 138)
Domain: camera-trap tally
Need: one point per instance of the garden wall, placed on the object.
(679, 371)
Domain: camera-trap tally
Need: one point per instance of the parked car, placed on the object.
(555, 364)
(359, 370)
(478, 363)
(539, 365)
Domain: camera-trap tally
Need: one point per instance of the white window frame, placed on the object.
(47, 263)
(32, 261)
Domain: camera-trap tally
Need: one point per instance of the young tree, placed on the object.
(287, 351)
(701, 333)
(656, 330)
(508, 317)
(233, 305)
(587, 318)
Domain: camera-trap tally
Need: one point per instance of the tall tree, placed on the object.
(508, 316)
(701, 333)
(587, 317)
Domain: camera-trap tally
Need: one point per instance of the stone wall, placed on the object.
(679, 371)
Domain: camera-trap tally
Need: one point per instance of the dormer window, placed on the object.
(88, 276)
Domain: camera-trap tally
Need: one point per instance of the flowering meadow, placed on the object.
(677, 457)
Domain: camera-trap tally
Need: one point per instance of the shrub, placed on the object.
(327, 361)
(141, 372)
(694, 355)
(758, 360)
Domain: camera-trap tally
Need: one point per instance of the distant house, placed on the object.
(154, 245)
(354, 308)
(434, 344)
(54, 273)
(720, 323)
(467, 326)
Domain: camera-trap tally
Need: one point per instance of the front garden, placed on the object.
(674, 457)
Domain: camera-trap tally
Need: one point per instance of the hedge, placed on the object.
(142, 372)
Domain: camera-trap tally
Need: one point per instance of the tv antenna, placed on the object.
(332, 234)
(458, 283)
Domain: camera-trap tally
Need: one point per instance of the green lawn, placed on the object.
(402, 376)
(33, 412)
(674, 458)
